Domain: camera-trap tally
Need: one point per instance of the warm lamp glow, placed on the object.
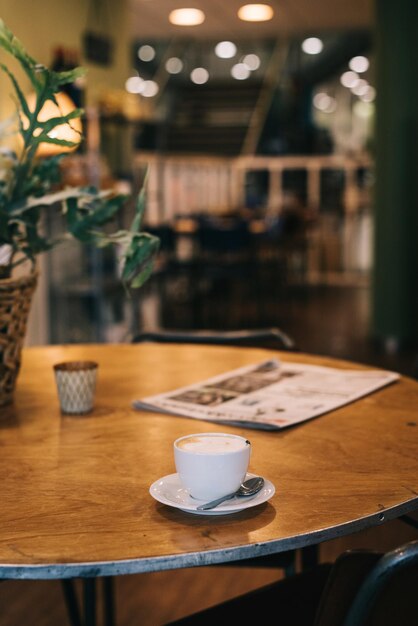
(64, 131)
(255, 12)
(186, 17)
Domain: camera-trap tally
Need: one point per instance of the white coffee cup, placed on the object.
(211, 465)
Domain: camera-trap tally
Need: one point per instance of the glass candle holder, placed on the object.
(76, 386)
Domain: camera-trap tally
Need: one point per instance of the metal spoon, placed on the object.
(248, 488)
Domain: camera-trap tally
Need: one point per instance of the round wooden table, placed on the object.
(74, 490)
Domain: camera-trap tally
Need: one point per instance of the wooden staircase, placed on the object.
(212, 118)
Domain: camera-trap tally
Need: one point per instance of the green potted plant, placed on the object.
(30, 186)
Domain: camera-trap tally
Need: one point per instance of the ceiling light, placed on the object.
(369, 95)
(252, 61)
(360, 88)
(363, 109)
(359, 64)
(225, 50)
(324, 102)
(186, 17)
(149, 88)
(199, 76)
(134, 84)
(349, 79)
(312, 45)
(240, 71)
(320, 100)
(146, 53)
(174, 65)
(255, 12)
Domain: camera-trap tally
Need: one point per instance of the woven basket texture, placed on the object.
(15, 300)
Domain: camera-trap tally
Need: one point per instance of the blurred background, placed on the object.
(280, 151)
(281, 157)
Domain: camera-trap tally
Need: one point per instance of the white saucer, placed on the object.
(169, 490)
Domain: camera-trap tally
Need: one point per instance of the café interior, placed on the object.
(278, 158)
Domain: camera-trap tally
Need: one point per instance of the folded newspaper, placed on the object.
(269, 395)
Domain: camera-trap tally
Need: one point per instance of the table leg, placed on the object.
(309, 557)
(109, 601)
(89, 597)
(71, 603)
(90, 600)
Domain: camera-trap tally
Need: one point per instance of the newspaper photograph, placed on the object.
(270, 395)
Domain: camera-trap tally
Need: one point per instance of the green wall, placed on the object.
(395, 281)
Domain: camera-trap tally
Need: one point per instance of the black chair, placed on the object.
(225, 270)
(361, 588)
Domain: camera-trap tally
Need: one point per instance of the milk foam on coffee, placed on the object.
(212, 444)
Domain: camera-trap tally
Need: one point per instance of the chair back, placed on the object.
(223, 237)
(270, 338)
(372, 589)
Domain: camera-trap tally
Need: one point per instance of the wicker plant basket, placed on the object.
(15, 300)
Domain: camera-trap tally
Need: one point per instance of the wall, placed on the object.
(43, 25)
(395, 293)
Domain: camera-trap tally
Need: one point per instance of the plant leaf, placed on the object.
(44, 138)
(27, 204)
(140, 207)
(68, 76)
(50, 124)
(139, 259)
(82, 223)
(28, 193)
(19, 93)
(11, 44)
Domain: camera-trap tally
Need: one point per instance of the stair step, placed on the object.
(196, 131)
(213, 118)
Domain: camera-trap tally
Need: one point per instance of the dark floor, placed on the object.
(331, 320)
(335, 321)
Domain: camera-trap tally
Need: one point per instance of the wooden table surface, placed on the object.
(74, 490)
